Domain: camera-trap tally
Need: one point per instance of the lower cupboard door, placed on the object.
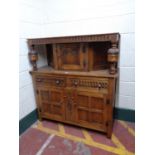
(91, 110)
(52, 104)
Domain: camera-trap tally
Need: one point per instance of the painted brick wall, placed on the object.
(74, 17)
(31, 25)
(61, 18)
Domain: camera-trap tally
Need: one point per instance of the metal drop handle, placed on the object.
(57, 81)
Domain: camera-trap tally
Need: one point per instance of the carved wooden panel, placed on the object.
(83, 115)
(97, 106)
(93, 84)
(70, 53)
(91, 110)
(69, 56)
(114, 37)
(52, 103)
(97, 103)
(83, 108)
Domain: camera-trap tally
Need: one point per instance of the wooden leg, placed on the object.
(109, 129)
(109, 134)
(39, 115)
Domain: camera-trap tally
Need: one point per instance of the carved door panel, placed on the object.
(91, 109)
(70, 102)
(51, 102)
(70, 56)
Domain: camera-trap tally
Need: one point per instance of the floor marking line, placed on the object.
(130, 130)
(116, 141)
(61, 128)
(118, 151)
(41, 150)
(87, 135)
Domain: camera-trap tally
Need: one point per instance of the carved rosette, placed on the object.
(33, 57)
(113, 58)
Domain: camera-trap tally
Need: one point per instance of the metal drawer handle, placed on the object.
(75, 83)
(57, 82)
(99, 86)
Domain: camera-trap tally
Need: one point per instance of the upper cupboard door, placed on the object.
(69, 56)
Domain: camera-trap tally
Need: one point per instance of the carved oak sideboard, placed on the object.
(78, 85)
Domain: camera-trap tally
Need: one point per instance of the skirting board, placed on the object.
(124, 114)
(120, 114)
(27, 121)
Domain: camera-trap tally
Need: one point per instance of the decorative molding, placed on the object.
(113, 37)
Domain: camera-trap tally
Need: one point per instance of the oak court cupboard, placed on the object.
(78, 85)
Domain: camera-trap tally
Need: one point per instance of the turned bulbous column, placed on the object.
(33, 57)
(113, 58)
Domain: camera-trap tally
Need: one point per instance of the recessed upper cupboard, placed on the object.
(79, 53)
(81, 56)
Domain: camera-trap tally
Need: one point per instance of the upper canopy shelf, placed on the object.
(113, 37)
(85, 52)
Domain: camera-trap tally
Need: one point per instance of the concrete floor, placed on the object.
(53, 138)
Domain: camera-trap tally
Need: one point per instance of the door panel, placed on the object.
(70, 56)
(52, 104)
(90, 110)
(97, 103)
(83, 115)
(97, 117)
(83, 101)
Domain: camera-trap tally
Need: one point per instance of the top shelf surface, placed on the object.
(49, 70)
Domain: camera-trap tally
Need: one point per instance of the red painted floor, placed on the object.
(49, 139)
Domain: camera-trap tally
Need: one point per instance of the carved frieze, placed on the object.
(113, 37)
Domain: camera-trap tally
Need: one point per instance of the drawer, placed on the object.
(50, 81)
(93, 84)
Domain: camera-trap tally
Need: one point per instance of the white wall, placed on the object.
(50, 18)
(31, 25)
(80, 17)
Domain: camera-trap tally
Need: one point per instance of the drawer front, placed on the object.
(56, 81)
(91, 84)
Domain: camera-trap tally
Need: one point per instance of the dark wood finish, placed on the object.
(51, 102)
(113, 58)
(85, 56)
(80, 87)
(33, 57)
(97, 55)
(49, 51)
(83, 53)
(69, 56)
(78, 98)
